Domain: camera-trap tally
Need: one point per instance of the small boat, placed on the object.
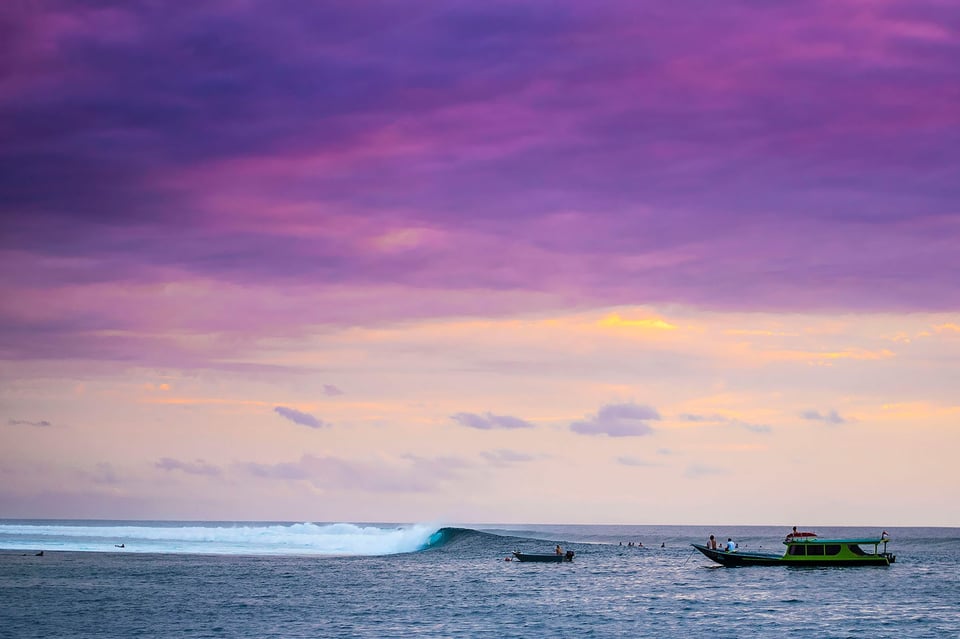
(543, 557)
(809, 550)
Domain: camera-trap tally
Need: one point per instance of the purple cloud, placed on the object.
(724, 155)
(298, 417)
(24, 422)
(830, 417)
(504, 457)
(753, 428)
(618, 420)
(331, 391)
(198, 467)
(687, 417)
(285, 470)
(489, 421)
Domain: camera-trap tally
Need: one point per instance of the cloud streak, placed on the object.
(830, 417)
(198, 467)
(299, 417)
(504, 457)
(618, 420)
(489, 421)
(25, 422)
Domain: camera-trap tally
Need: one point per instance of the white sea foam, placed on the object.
(219, 538)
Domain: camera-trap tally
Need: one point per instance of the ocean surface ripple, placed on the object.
(263, 580)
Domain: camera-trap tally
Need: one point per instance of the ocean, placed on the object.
(285, 580)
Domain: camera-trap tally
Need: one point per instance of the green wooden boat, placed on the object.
(809, 550)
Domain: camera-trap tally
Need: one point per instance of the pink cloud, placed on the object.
(479, 160)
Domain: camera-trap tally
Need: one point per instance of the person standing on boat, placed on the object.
(731, 545)
(712, 543)
(559, 550)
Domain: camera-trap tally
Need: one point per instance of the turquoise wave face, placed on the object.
(434, 540)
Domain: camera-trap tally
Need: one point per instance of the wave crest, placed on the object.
(342, 539)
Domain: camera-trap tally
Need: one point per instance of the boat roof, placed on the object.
(817, 540)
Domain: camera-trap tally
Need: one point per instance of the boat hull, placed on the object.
(737, 558)
(542, 558)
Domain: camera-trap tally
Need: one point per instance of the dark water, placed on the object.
(460, 586)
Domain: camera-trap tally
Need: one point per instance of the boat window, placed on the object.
(857, 550)
(832, 549)
(814, 550)
(795, 550)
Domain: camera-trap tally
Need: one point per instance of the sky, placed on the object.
(544, 262)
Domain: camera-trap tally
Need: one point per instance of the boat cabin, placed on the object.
(838, 549)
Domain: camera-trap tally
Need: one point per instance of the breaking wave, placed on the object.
(338, 539)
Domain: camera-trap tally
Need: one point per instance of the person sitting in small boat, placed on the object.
(559, 550)
(731, 545)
